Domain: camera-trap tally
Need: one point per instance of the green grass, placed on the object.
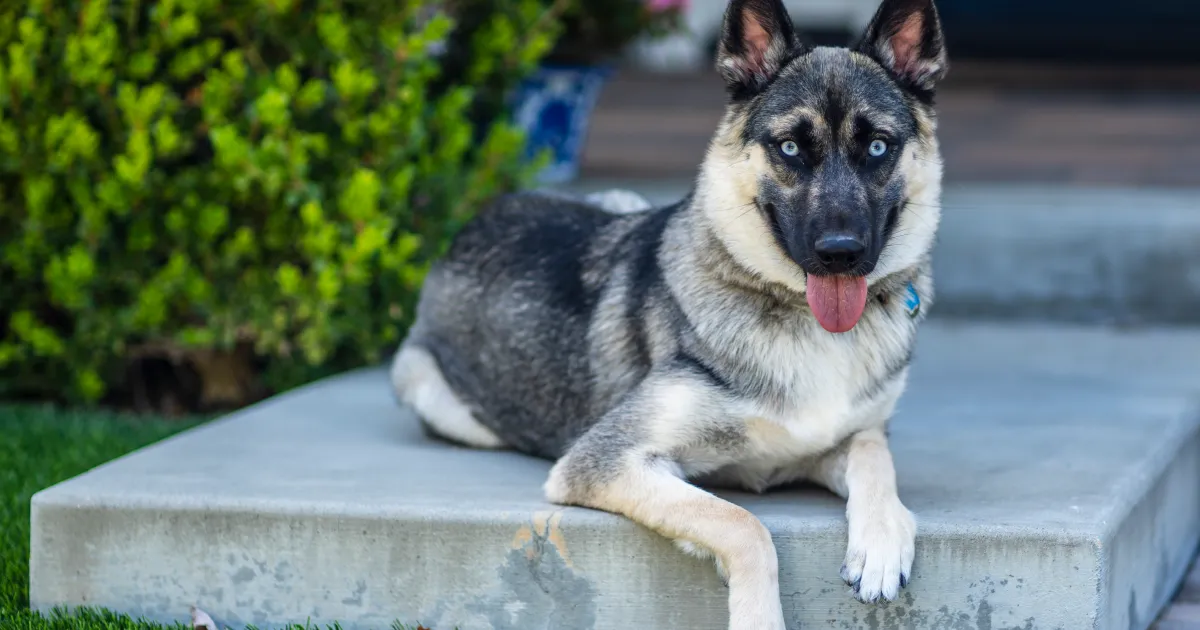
(39, 447)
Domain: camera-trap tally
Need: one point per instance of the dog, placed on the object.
(754, 334)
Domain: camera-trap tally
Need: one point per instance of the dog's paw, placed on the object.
(879, 554)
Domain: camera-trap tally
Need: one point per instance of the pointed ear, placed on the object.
(757, 40)
(905, 36)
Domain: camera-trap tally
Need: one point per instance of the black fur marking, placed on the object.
(835, 113)
(555, 252)
(692, 363)
(889, 374)
(773, 222)
(893, 218)
(645, 280)
(923, 96)
(864, 131)
(805, 135)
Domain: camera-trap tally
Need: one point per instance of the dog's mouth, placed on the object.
(837, 301)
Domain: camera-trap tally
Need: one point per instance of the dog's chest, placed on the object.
(779, 449)
(819, 389)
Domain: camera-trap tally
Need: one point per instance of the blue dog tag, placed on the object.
(912, 301)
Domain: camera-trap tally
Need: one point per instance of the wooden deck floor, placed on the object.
(1118, 127)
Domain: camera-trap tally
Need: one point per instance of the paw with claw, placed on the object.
(879, 554)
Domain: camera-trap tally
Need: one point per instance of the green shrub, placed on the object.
(596, 31)
(184, 178)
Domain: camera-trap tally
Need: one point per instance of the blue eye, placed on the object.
(877, 148)
(789, 148)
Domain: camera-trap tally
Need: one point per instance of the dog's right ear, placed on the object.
(905, 36)
(757, 41)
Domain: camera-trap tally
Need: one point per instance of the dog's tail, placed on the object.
(418, 382)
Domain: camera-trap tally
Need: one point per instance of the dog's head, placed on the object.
(825, 174)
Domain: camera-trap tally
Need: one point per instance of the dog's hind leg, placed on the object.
(882, 532)
(418, 382)
(625, 464)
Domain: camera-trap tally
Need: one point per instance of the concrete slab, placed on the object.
(1067, 253)
(1054, 472)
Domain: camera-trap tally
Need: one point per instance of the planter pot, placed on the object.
(554, 107)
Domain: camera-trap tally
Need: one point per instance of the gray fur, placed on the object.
(541, 349)
(566, 327)
(547, 310)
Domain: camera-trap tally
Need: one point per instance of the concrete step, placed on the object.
(1054, 473)
(1079, 254)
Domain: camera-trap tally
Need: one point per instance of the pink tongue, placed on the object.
(837, 301)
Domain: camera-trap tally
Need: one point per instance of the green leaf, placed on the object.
(214, 173)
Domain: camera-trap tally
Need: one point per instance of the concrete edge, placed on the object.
(1130, 537)
(653, 550)
(1187, 432)
(573, 516)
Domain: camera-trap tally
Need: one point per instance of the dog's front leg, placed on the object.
(626, 464)
(882, 532)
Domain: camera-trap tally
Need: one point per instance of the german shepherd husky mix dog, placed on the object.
(756, 333)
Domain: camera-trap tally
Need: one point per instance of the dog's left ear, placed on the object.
(757, 41)
(905, 36)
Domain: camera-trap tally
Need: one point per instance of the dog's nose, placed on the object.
(839, 252)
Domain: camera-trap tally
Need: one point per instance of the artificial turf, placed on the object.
(40, 446)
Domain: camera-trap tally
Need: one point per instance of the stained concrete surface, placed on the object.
(1054, 473)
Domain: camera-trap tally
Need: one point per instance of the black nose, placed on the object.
(839, 252)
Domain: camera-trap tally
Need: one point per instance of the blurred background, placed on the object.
(1065, 92)
(205, 203)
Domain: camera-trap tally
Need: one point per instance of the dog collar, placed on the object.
(912, 301)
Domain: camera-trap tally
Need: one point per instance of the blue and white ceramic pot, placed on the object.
(554, 107)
